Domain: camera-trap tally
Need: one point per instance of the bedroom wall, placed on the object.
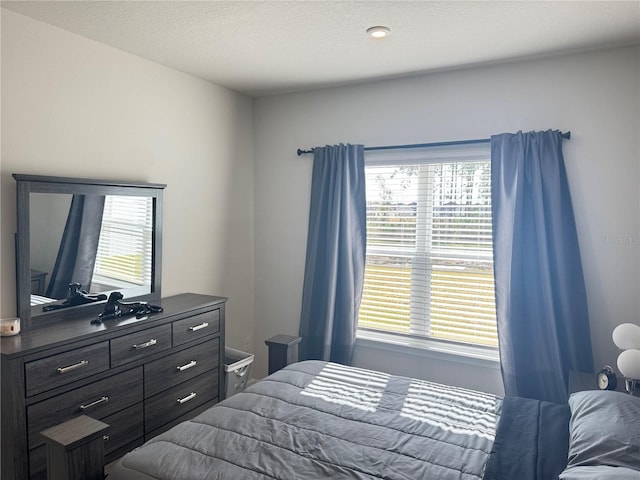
(594, 95)
(74, 107)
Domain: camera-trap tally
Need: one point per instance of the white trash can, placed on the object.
(237, 367)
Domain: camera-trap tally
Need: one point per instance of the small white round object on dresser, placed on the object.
(9, 326)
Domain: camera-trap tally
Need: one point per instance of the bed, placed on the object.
(40, 300)
(318, 420)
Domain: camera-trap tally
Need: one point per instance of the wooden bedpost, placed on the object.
(75, 449)
(283, 350)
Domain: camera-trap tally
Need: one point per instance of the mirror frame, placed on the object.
(27, 184)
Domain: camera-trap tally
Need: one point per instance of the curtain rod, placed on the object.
(565, 135)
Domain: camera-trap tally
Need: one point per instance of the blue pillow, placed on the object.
(599, 472)
(604, 432)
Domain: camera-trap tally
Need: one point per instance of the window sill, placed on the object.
(466, 354)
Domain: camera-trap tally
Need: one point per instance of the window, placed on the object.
(125, 244)
(429, 265)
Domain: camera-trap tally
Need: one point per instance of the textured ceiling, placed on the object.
(264, 47)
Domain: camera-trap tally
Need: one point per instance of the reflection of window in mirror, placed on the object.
(119, 258)
(124, 253)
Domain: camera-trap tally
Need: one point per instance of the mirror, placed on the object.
(89, 236)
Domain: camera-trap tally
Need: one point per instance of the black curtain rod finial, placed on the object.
(303, 152)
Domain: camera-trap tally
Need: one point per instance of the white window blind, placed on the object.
(429, 265)
(124, 248)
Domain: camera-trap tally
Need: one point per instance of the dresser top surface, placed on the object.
(79, 327)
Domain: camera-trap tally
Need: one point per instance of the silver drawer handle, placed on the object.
(195, 328)
(104, 399)
(191, 396)
(150, 343)
(186, 366)
(73, 367)
(105, 438)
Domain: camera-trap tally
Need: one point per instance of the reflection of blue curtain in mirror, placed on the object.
(77, 254)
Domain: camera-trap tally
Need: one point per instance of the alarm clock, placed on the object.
(607, 379)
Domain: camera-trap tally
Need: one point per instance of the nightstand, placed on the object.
(38, 279)
(580, 381)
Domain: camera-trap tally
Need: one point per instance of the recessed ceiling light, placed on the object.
(379, 31)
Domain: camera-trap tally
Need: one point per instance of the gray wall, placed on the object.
(75, 107)
(595, 95)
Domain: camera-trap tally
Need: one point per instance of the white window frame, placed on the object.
(422, 345)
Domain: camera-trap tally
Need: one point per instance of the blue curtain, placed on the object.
(79, 246)
(541, 303)
(334, 270)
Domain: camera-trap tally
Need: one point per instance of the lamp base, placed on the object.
(630, 385)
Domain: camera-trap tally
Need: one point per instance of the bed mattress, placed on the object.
(317, 420)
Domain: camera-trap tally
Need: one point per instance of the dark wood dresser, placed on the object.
(140, 376)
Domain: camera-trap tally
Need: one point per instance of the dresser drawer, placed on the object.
(195, 327)
(97, 400)
(124, 426)
(56, 370)
(182, 418)
(38, 463)
(176, 401)
(180, 367)
(140, 344)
